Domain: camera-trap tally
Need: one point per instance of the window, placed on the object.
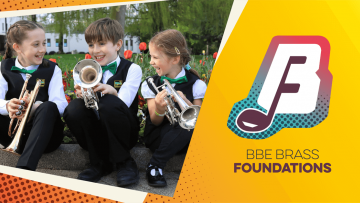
(65, 42)
(57, 42)
(126, 44)
(48, 44)
(3, 26)
(131, 44)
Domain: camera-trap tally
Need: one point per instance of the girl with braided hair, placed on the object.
(44, 131)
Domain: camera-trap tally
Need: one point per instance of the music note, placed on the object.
(253, 120)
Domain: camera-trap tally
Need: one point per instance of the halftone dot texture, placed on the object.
(19, 190)
(191, 186)
(13, 5)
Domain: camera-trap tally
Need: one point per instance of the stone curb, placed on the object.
(73, 157)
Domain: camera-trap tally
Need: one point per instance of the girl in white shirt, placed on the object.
(169, 56)
(44, 131)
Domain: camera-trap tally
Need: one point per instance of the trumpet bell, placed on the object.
(87, 73)
(189, 116)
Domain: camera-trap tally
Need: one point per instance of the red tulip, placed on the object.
(53, 60)
(128, 54)
(142, 46)
(68, 99)
(141, 98)
(141, 103)
(204, 63)
(64, 84)
(87, 56)
(200, 61)
(215, 55)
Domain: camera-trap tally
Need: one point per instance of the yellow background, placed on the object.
(215, 148)
(207, 173)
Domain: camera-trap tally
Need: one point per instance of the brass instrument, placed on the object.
(188, 116)
(30, 99)
(87, 73)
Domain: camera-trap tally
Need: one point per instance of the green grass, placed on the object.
(67, 63)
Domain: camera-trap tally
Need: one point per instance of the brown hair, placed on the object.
(104, 29)
(173, 43)
(17, 33)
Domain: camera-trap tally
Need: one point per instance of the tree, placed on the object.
(72, 22)
(202, 21)
(144, 20)
(118, 13)
(33, 18)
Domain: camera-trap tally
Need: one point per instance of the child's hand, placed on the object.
(160, 102)
(105, 89)
(13, 106)
(78, 91)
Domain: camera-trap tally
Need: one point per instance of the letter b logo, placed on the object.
(291, 90)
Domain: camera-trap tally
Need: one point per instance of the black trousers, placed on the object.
(108, 139)
(42, 134)
(170, 141)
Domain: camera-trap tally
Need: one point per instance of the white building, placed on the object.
(71, 42)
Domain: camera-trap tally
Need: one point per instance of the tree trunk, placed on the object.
(61, 32)
(33, 18)
(120, 16)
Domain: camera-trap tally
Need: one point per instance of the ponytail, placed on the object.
(8, 51)
(194, 72)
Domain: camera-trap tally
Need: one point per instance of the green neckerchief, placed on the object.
(14, 68)
(177, 81)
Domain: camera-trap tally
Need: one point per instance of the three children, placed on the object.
(109, 139)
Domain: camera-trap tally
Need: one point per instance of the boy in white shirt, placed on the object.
(109, 139)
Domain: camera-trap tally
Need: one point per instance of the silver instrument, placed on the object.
(87, 73)
(188, 116)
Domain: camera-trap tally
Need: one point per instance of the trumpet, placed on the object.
(87, 73)
(188, 116)
(30, 99)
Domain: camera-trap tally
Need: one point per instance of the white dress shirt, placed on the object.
(131, 86)
(55, 92)
(199, 88)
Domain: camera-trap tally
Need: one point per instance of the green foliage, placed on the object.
(146, 19)
(66, 139)
(72, 22)
(202, 21)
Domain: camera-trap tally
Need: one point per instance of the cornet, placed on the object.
(188, 116)
(30, 99)
(87, 73)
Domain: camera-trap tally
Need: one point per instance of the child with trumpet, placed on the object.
(170, 57)
(44, 131)
(109, 139)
